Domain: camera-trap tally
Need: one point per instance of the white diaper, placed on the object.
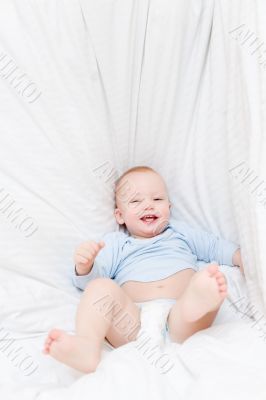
(153, 317)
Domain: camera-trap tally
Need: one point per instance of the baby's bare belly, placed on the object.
(171, 287)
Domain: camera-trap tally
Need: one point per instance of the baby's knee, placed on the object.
(102, 285)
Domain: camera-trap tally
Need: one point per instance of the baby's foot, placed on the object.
(75, 351)
(205, 292)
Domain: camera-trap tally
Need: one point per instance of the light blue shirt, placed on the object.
(179, 246)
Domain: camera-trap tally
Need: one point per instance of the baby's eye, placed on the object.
(158, 199)
(134, 201)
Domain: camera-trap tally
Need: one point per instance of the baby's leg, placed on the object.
(105, 311)
(199, 303)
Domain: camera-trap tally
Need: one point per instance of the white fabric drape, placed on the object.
(89, 88)
(185, 84)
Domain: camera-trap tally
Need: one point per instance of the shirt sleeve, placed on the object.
(206, 246)
(106, 262)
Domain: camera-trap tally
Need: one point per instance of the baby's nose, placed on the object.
(148, 206)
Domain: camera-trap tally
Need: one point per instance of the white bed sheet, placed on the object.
(125, 371)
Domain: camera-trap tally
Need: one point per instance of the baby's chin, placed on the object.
(148, 234)
(140, 235)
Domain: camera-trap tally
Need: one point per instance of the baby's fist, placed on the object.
(85, 255)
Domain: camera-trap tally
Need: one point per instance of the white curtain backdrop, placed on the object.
(89, 88)
(185, 86)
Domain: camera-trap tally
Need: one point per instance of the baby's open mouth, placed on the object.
(148, 219)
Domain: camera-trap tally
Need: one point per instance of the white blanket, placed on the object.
(227, 353)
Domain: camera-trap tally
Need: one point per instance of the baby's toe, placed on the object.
(222, 287)
(212, 269)
(221, 281)
(48, 340)
(46, 348)
(55, 334)
(220, 277)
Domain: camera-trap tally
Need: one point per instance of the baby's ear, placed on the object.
(118, 216)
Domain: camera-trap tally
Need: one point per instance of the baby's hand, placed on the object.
(85, 255)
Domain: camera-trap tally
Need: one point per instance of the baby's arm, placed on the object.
(85, 255)
(207, 246)
(237, 260)
(84, 259)
(99, 260)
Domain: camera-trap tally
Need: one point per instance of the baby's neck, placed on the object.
(142, 237)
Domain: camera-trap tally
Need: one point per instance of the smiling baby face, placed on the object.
(142, 203)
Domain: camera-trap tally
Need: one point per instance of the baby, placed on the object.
(153, 260)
